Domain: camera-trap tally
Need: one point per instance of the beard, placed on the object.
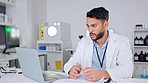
(98, 36)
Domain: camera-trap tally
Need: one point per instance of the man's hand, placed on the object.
(74, 72)
(93, 75)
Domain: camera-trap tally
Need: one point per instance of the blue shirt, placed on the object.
(101, 51)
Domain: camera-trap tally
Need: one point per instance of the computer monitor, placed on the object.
(2, 36)
(11, 38)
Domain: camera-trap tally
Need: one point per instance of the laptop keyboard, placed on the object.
(51, 77)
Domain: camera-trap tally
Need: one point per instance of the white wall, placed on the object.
(20, 18)
(39, 14)
(124, 15)
(26, 15)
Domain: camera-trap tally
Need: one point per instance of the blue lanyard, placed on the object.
(101, 62)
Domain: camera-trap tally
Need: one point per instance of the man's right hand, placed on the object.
(74, 72)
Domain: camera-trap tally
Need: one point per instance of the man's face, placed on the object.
(96, 28)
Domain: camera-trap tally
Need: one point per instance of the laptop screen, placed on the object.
(30, 64)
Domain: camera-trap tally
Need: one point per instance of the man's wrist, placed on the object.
(106, 74)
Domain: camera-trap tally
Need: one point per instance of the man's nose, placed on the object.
(90, 30)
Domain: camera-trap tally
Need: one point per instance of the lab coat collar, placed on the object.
(109, 52)
(89, 52)
(110, 49)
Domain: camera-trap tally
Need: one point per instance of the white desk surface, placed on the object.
(19, 78)
(6, 57)
(135, 80)
(131, 80)
(69, 50)
(15, 78)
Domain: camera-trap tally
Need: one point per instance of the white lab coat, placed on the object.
(119, 58)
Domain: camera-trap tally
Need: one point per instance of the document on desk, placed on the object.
(81, 79)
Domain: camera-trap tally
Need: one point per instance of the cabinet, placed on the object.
(56, 54)
(140, 70)
(141, 65)
(7, 2)
(5, 60)
(4, 64)
(5, 19)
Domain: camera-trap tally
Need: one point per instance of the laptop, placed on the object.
(31, 68)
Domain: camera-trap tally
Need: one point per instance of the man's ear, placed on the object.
(106, 24)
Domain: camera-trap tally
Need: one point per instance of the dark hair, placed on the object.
(98, 13)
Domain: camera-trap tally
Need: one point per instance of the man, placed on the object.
(102, 55)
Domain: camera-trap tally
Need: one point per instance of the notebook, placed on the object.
(31, 68)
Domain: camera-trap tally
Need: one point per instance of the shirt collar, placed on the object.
(104, 45)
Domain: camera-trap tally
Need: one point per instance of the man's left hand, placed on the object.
(91, 74)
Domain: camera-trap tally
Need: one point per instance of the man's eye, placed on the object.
(94, 25)
(87, 25)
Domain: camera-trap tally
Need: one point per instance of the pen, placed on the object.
(78, 64)
(108, 81)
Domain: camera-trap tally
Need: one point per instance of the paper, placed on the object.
(81, 79)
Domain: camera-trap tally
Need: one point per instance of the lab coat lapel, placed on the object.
(110, 50)
(88, 53)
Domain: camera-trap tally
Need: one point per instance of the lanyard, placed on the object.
(101, 62)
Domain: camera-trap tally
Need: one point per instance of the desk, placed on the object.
(71, 51)
(19, 78)
(135, 80)
(6, 57)
(131, 80)
(15, 78)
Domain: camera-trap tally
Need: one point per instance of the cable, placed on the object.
(3, 69)
(7, 71)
